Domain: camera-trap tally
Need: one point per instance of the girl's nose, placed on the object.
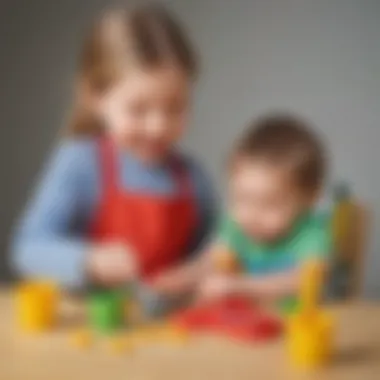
(157, 125)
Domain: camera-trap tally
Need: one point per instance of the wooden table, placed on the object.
(51, 357)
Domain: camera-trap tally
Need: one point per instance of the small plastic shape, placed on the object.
(173, 334)
(119, 345)
(36, 305)
(310, 340)
(225, 261)
(311, 285)
(82, 339)
(310, 330)
(106, 310)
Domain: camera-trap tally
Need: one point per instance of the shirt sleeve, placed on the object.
(47, 241)
(226, 233)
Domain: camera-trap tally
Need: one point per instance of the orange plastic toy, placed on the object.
(225, 261)
(36, 306)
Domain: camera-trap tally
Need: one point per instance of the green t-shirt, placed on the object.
(310, 237)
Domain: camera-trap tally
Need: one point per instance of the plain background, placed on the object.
(320, 58)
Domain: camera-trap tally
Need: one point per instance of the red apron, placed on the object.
(157, 227)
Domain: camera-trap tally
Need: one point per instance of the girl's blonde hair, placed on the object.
(146, 37)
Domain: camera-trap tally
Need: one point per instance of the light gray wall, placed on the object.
(320, 58)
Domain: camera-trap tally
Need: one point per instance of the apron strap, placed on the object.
(182, 178)
(108, 166)
(110, 173)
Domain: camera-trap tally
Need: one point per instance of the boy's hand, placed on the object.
(112, 264)
(218, 286)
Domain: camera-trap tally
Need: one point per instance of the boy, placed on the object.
(275, 177)
(276, 173)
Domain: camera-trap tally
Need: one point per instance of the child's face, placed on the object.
(264, 199)
(146, 111)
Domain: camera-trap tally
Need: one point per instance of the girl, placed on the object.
(117, 200)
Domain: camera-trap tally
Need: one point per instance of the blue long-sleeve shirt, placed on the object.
(50, 240)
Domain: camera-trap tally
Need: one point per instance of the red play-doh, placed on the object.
(236, 318)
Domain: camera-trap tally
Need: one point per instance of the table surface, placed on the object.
(50, 356)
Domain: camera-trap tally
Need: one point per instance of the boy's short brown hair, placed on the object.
(286, 140)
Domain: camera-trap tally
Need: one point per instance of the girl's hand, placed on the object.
(112, 264)
(175, 281)
(218, 286)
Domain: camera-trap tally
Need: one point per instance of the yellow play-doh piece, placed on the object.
(119, 345)
(173, 334)
(82, 339)
(225, 261)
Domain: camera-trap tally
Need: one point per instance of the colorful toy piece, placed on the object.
(119, 344)
(82, 339)
(235, 318)
(36, 306)
(173, 334)
(310, 340)
(106, 309)
(310, 331)
(159, 333)
(225, 261)
(311, 285)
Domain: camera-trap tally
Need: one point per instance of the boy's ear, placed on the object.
(313, 198)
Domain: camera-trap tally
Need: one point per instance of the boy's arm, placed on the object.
(272, 286)
(314, 244)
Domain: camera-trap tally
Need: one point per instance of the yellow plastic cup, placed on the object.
(36, 305)
(310, 340)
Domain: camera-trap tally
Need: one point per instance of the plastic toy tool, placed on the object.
(310, 330)
(36, 306)
(106, 309)
(236, 318)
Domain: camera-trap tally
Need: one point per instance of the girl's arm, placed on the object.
(49, 240)
(191, 271)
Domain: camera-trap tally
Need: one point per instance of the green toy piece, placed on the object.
(106, 309)
(289, 305)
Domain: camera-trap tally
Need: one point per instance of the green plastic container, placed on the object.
(106, 310)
